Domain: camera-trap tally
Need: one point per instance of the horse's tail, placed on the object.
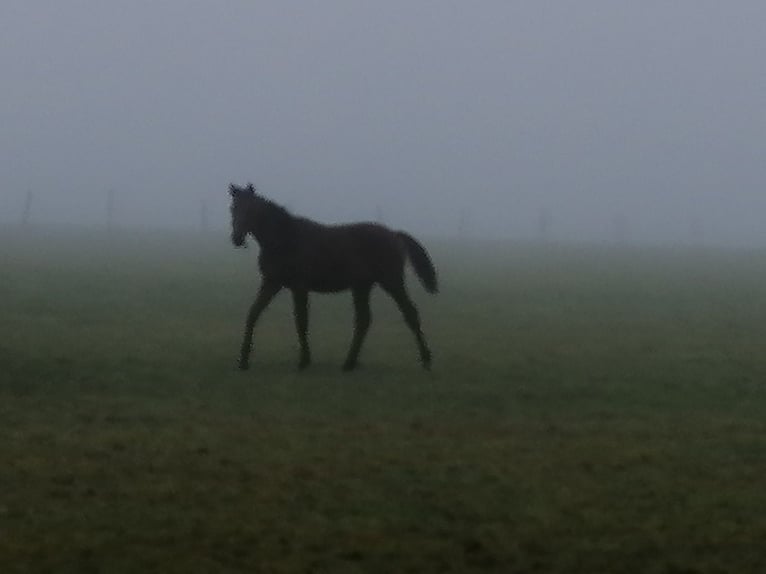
(421, 262)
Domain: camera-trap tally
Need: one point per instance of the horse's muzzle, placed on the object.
(238, 240)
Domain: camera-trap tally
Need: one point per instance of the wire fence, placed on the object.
(115, 208)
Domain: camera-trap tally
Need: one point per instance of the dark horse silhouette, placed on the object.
(302, 255)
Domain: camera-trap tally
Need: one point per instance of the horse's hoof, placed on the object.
(348, 367)
(244, 365)
(426, 360)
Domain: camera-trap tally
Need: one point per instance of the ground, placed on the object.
(591, 409)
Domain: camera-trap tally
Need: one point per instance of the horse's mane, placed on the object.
(274, 211)
(274, 225)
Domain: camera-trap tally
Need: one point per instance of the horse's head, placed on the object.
(242, 201)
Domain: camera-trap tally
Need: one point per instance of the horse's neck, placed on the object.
(275, 236)
(267, 242)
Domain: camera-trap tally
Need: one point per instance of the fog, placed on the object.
(638, 121)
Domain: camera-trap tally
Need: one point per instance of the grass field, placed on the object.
(590, 410)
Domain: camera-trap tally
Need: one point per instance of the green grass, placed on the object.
(590, 410)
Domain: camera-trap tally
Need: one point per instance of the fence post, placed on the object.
(620, 228)
(26, 214)
(462, 223)
(203, 220)
(544, 223)
(696, 231)
(110, 210)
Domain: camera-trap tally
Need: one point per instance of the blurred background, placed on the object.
(593, 121)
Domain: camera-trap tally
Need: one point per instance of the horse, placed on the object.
(302, 256)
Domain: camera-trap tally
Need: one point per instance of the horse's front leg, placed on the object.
(301, 312)
(265, 294)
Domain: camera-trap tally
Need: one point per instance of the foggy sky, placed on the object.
(652, 111)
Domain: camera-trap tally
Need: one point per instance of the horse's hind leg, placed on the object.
(399, 294)
(362, 320)
(265, 295)
(301, 312)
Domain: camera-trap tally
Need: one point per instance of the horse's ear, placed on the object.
(250, 189)
(233, 189)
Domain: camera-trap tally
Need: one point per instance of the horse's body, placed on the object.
(302, 255)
